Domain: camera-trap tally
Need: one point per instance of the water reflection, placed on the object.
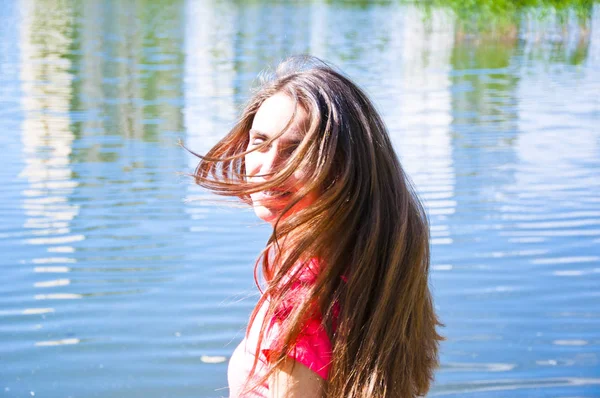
(417, 109)
(417, 104)
(37, 311)
(53, 283)
(46, 136)
(57, 342)
(47, 139)
(58, 296)
(209, 82)
(129, 62)
(550, 38)
(496, 386)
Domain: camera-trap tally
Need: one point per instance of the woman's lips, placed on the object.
(271, 198)
(276, 193)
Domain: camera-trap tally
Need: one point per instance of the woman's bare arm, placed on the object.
(292, 379)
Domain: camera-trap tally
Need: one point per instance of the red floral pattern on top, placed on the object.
(312, 348)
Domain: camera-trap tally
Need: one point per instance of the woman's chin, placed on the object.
(266, 214)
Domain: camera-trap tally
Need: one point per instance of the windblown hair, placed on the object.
(367, 229)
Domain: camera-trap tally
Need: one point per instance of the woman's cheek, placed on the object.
(250, 164)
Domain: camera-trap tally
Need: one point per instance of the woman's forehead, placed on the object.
(275, 113)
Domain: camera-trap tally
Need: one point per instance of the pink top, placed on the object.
(312, 348)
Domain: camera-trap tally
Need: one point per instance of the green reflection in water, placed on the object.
(505, 18)
(499, 18)
(123, 62)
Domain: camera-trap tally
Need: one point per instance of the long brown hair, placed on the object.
(367, 229)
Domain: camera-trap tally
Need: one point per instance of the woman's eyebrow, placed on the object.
(256, 132)
(293, 141)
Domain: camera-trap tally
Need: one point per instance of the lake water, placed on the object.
(118, 282)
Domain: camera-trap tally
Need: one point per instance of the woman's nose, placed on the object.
(272, 161)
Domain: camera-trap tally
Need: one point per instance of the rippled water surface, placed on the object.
(117, 281)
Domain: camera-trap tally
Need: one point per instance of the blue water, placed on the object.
(121, 279)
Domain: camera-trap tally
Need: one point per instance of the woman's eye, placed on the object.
(257, 141)
(290, 149)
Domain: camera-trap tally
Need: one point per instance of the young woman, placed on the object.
(345, 309)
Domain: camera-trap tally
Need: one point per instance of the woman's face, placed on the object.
(270, 119)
